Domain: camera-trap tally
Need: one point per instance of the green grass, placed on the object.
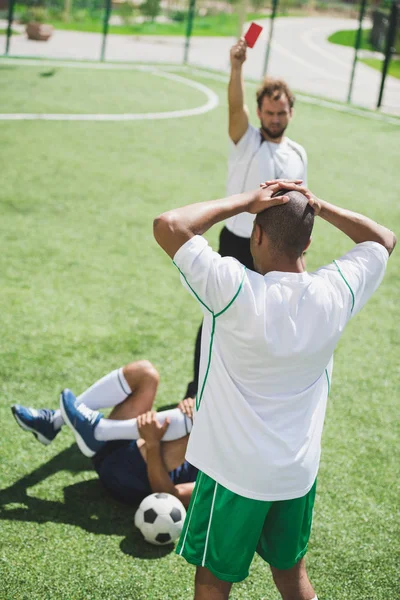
(214, 25)
(54, 89)
(348, 38)
(4, 32)
(376, 63)
(84, 289)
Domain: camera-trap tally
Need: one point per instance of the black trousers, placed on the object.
(229, 245)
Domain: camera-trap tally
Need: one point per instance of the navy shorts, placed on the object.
(123, 471)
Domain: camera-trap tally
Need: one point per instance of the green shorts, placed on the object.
(223, 530)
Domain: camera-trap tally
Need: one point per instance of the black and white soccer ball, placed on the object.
(160, 518)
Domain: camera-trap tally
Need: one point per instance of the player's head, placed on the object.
(274, 107)
(284, 231)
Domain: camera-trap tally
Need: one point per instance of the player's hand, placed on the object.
(313, 200)
(315, 203)
(150, 429)
(238, 53)
(263, 197)
(187, 407)
(270, 182)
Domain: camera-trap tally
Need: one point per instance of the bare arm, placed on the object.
(238, 115)
(174, 228)
(152, 432)
(159, 478)
(357, 227)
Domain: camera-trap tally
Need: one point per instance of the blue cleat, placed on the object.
(82, 420)
(40, 422)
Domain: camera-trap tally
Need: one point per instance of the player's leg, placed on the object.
(111, 429)
(130, 390)
(209, 587)
(220, 534)
(293, 584)
(44, 423)
(142, 379)
(92, 430)
(283, 544)
(191, 390)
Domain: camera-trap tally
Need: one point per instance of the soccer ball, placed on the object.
(160, 518)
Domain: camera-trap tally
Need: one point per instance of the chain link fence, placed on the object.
(176, 31)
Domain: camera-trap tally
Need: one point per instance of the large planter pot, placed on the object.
(39, 31)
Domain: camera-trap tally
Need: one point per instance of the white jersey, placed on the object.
(254, 160)
(266, 364)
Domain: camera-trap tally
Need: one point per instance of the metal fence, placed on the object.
(104, 22)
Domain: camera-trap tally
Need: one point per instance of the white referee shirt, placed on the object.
(254, 160)
(266, 363)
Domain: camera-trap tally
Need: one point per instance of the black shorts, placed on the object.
(231, 244)
(122, 470)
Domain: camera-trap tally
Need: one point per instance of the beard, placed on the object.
(273, 134)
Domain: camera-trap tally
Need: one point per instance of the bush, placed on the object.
(34, 15)
(178, 15)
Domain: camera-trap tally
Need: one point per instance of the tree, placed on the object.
(150, 8)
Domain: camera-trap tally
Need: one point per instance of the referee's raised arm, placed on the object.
(238, 113)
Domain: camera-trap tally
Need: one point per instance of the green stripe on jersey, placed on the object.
(347, 283)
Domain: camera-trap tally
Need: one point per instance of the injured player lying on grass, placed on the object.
(135, 451)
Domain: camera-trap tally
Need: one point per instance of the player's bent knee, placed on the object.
(139, 370)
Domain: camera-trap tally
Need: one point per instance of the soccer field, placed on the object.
(85, 289)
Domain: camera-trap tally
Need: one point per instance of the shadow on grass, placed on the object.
(86, 505)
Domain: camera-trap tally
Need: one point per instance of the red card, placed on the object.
(252, 34)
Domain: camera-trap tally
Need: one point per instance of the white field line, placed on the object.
(212, 100)
(374, 116)
(307, 38)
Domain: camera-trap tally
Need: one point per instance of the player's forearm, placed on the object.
(357, 227)
(236, 90)
(156, 471)
(172, 229)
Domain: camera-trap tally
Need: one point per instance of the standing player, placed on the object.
(136, 451)
(266, 366)
(256, 154)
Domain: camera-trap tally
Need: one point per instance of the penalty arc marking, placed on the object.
(211, 103)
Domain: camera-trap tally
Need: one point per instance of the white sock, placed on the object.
(58, 421)
(110, 429)
(105, 393)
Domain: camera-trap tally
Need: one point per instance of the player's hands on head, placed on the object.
(315, 203)
(292, 184)
(238, 53)
(264, 198)
(187, 407)
(150, 430)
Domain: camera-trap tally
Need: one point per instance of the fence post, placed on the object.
(105, 29)
(10, 18)
(389, 48)
(271, 30)
(242, 14)
(189, 28)
(356, 47)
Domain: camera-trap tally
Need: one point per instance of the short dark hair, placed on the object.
(274, 89)
(288, 226)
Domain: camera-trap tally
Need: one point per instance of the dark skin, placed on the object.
(163, 457)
